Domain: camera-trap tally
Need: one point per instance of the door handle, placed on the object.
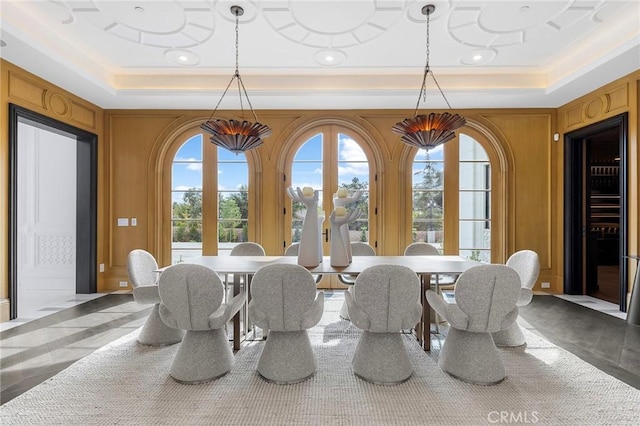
(326, 235)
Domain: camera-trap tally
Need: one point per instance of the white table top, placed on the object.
(419, 264)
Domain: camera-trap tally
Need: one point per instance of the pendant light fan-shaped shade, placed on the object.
(236, 136)
(429, 130)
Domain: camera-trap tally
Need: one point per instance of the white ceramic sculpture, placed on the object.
(310, 252)
(301, 215)
(342, 199)
(340, 218)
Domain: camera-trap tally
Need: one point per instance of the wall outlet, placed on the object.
(545, 285)
(102, 267)
(123, 284)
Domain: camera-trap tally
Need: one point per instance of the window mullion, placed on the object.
(209, 199)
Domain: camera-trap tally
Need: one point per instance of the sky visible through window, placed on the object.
(187, 168)
(352, 162)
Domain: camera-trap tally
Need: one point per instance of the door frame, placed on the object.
(574, 230)
(86, 199)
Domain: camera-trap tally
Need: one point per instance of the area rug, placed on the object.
(125, 383)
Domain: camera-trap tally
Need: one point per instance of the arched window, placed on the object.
(469, 180)
(202, 202)
(326, 159)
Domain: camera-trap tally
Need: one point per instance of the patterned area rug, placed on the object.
(126, 383)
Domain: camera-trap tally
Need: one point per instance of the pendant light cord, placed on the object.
(427, 70)
(236, 74)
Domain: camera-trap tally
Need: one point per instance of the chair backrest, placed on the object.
(527, 265)
(362, 249)
(248, 249)
(421, 249)
(284, 293)
(389, 295)
(191, 293)
(140, 267)
(292, 250)
(486, 294)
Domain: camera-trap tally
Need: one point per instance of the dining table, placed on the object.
(423, 266)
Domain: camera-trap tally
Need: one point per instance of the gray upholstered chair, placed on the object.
(140, 267)
(247, 248)
(285, 304)
(385, 300)
(357, 249)
(192, 300)
(293, 250)
(527, 265)
(486, 297)
(420, 248)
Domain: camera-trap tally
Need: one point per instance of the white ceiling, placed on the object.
(123, 54)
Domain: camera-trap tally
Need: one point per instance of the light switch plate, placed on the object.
(134, 221)
(123, 221)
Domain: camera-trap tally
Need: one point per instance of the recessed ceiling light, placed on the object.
(524, 9)
(329, 57)
(139, 9)
(182, 57)
(479, 57)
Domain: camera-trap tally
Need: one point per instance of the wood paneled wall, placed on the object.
(141, 142)
(134, 145)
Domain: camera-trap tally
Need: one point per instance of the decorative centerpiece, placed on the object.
(310, 251)
(342, 199)
(340, 219)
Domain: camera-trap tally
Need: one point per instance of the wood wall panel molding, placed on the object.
(604, 103)
(529, 137)
(46, 99)
(22, 88)
(83, 116)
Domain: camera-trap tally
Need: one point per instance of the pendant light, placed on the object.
(236, 135)
(432, 129)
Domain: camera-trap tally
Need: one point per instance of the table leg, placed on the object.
(236, 317)
(426, 314)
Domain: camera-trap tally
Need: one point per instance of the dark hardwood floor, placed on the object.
(37, 350)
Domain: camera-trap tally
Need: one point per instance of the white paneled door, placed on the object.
(46, 218)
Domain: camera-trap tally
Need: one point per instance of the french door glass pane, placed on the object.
(474, 176)
(475, 205)
(233, 200)
(470, 150)
(353, 175)
(479, 255)
(186, 201)
(428, 192)
(191, 150)
(475, 234)
(474, 208)
(306, 170)
(232, 176)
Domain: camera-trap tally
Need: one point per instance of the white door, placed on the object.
(46, 219)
